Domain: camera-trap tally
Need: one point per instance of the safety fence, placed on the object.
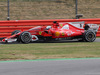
(7, 27)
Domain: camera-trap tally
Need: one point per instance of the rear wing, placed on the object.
(94, 27)
(81, 24)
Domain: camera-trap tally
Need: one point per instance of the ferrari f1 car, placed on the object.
(73, 30)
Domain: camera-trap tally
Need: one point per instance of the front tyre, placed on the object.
(89, 36)
(25, 37)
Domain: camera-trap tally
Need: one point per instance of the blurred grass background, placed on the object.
(49, 9)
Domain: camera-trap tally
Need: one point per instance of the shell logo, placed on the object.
(57, 34)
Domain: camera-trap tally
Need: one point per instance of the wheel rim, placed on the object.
(90, 37)
(26, 38)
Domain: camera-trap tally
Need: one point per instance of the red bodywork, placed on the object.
(58, 30)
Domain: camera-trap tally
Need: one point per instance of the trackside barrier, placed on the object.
(6, 27)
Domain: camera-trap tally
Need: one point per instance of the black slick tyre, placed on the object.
(89, 36)
(25, 37)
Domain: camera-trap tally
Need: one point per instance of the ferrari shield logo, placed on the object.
(63, 34)
(40, 33)
(61, 25)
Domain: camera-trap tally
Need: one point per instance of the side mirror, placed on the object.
(79, 15)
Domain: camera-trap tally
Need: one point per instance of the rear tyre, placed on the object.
(25, 37)
(15, 32)
(89, 36)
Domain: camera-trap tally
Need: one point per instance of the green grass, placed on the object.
(49, 50)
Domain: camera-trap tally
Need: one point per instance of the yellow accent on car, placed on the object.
(57, 34)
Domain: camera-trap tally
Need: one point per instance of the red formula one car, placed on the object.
(57, 30)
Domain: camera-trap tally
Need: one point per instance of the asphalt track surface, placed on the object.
(52, 67)
(97, 40)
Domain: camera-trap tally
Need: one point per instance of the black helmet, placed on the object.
(54, 21)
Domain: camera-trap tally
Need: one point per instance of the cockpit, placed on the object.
(65, 27)
(48, 27)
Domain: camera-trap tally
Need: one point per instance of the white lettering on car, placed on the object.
(70, 33)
